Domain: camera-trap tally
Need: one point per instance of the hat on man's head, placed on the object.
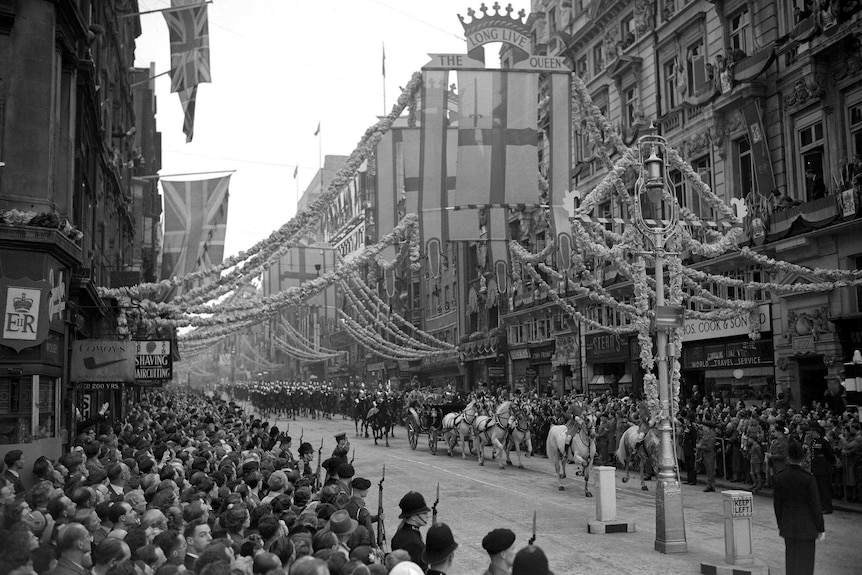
(412, 504)
(360, 483)
(346, 471)
(439, 544)
(531, 560)
(331, 464)
(498, 540)
(306, 448)
(340, 523)
(340, 436)
(363, 553)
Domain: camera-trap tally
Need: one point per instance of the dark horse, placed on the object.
(380, 419)
(360, 411)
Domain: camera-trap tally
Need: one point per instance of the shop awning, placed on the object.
(754, 371)
(626, 378)
(602, 380)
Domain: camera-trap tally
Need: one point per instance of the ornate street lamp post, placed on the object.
(658, 226)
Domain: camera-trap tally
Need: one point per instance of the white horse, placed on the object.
(494, 431)
(458, 425)
(519, 432)
(579, 449)
(646, 451)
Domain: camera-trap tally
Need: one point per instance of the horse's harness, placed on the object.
(462, 416)
(584, 430)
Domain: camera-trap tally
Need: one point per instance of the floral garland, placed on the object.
(375, 300)
(788, 267)
(298, 353)
(44, 220)
(382, 347)
(263, 251)
(297, 339)
(778, 289)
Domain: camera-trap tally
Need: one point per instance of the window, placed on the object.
(745, 182)
(582, 68)
(703, 167)
(630, 105)
(16, 409)
(696, 67)
(46, 406)
(739, 31)
(627, 30)
(812, 160)
(854, 122)
(678, 185)
(552, 21)
(598, 59)
(669, 83)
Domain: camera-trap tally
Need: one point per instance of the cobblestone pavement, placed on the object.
(474, 500)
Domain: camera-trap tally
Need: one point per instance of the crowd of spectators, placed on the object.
(191, 483)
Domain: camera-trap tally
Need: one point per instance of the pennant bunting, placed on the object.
(190, 48)
(195, 225)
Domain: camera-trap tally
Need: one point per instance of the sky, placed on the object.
(280, 67)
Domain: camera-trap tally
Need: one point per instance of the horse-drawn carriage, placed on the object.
(428, 419)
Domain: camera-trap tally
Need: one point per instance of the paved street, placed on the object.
(474, 500)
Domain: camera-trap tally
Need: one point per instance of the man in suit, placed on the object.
(14, 461)
(74, 543)
(798, 512)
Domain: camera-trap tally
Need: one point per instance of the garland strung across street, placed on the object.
(198, 307)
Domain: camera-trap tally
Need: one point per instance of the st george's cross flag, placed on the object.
(195, 225)
(190, 44)
(497, 145)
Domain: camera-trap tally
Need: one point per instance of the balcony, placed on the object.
(816, 214)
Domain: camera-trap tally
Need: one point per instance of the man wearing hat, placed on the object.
(306, 456)
(500, 545)
(414, 514)
(822, 460)
(342, 448)
(356, 508)
(342, 526)
(440, 549)
(706, 453)
(331, 467)
(345, 491)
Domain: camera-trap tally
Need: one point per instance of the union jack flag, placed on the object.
(190, 44)
(195, 225)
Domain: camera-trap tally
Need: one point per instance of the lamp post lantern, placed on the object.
(658, 226)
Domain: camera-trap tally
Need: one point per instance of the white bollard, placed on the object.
(606, 492)
(739, 559)
(606, 504)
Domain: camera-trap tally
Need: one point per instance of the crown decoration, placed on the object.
(22, 303)
(495, 20)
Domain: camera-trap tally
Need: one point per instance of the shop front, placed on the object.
(566, 362)
(521, 370)
(540, 361)
(608, 362)
(33, 339)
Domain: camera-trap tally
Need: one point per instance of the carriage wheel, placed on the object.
(432, 441)
(412, 436)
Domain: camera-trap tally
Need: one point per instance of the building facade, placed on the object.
(72, 142)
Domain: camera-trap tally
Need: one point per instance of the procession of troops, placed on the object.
(189, 482)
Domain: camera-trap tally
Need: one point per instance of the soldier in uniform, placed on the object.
(357, 509)
(345, 491)
(342, 449)
(414, 514)
(306, 456)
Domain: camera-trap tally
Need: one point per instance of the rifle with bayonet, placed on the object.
(317, 481)
(434, 507)
(353, 456)
(533, 538)
(381, 529)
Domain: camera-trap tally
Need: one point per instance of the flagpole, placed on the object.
(384, 78)
(163, 10)
(320, 156)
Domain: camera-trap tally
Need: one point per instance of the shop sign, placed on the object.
(605, 348)
(153, 360)
(714, 329)
(542, 354)
(517, 354)
(26, 305)
(496, 372)
(103, 360)
(377, 366)
(99, 386)
(733, 354)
